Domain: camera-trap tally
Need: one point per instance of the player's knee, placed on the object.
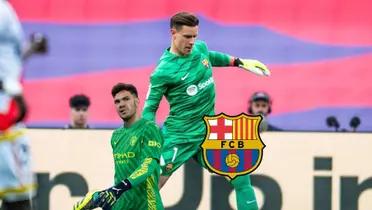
(241, 182)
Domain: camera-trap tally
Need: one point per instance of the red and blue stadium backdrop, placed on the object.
(320, 55)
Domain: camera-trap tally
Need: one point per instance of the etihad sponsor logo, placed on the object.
(124, 155)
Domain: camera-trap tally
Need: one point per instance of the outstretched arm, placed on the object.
(254, 66)
(220, 59)
(155, 93)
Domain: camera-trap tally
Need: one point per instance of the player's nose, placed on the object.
(122, 105)
(192, 40)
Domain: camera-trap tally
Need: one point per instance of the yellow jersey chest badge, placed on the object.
(133, 140)
(205, 62)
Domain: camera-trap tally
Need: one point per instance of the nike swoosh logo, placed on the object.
(252, 201)
(184, 77)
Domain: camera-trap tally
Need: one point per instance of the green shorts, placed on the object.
(176, 154)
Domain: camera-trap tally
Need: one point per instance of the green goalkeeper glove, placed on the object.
(108, 197)
(253, 66)
(105, 198)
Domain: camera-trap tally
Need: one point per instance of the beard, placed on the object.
(127, 117)
(264, 124)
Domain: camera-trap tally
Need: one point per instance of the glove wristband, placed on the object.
(123, 186)
(237, 62)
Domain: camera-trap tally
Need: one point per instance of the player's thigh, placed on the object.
(175, 155)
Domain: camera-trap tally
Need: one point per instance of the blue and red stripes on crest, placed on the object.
(232, 129)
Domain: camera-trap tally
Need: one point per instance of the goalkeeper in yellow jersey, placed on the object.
(184, 76)
(136, 150)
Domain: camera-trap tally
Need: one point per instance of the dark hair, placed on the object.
(183, 19)
(122, 86)
(79, 100)
(259, 96)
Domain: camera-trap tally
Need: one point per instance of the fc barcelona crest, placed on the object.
(232, 145)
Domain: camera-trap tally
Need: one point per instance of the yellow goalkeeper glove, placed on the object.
(253, 66)
(90, 201)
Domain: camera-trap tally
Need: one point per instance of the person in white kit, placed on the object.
(17, 183)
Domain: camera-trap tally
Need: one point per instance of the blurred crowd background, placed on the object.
(320, 55)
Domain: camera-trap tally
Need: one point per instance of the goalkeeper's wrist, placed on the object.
(237, 62)
(124, 185)
(121, 187)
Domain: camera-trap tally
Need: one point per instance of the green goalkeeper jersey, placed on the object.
(188, 85)
(136, 152)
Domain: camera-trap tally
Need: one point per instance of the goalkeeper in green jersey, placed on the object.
(184, 76)
(136, 150)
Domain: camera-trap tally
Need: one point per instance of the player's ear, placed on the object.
(136, 101)
(173, 31)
